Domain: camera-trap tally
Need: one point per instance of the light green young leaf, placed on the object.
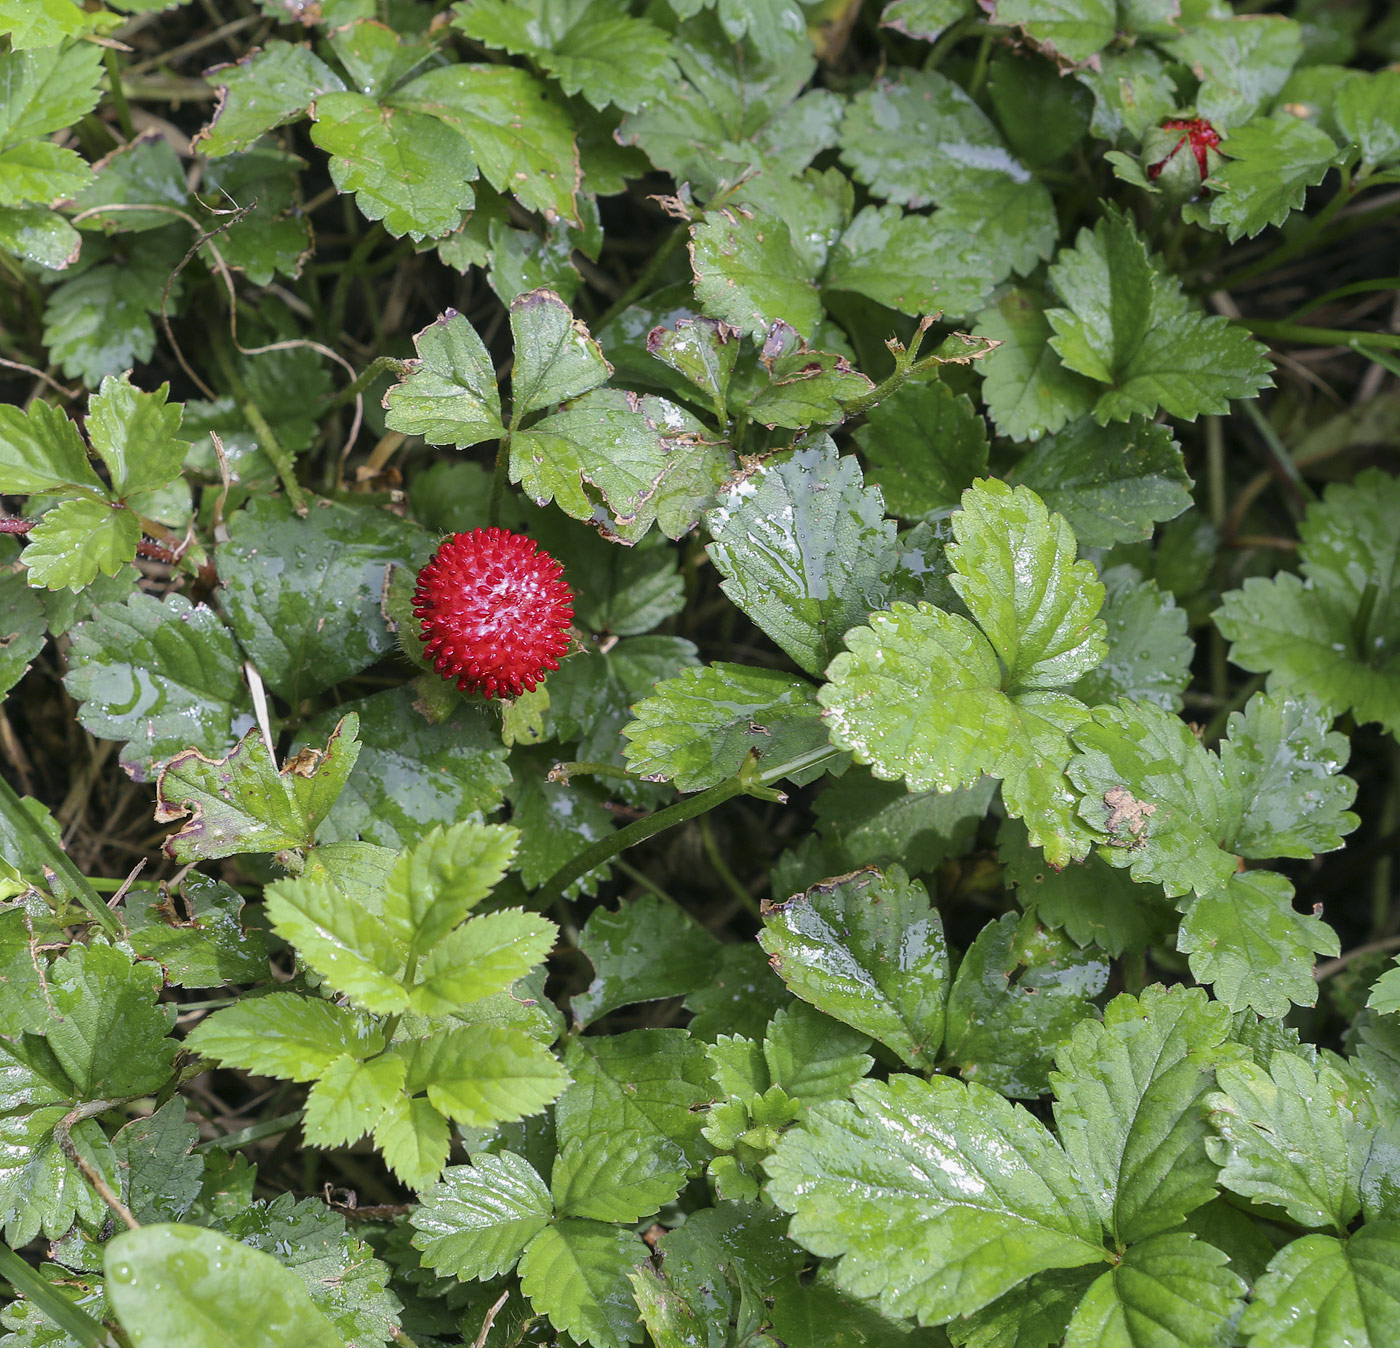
(262, 91)
(475, 1221)
(1271, 163)
(79, 540)
(47, 90)
(484, 956)
(1127, 324)
(696, 730)
(867, 950)
(41, 451)
(1128, 1098)
(39, 235)
(450, 398)
(414, 1139)
(622, 1178)
(285, 1035)
(1320, 1290)
(481, 1075)
(163, 675)
(805, 551)
(1170, 1291)
(1385, 993)
(1289, 1137)
(748, 273)
(44, 23)
(812, 1057)
(244, 803)
(133, 433)
(965, 1195)
(349, 1100)
(576, 1273)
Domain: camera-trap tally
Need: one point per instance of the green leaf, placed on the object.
(925, 19)
(39, 235)
(284, 1035)
(1073, 29)
(812, 1057)
(648, 1081)
(605, 55)
(484, 956)
(162, 1178)
(43, 23)
(79, 540)
(805, 551)
(133, 433)
(144, 173)
(47, 90)
(921, 140)
(1368, 112)
(575, 1272)
(415, 1140)
(317, 621)
(1112, 483)
(521, 138)
(555, 358)
(645, 951)
(1335, 635)
(349, 1100)
(869, 951)
(245, 803)
(275, 238)
(480, 1075)
(105, 1026)
(1320, 1290)
(1028, 391)
(405, 168)
(188, 1287)
(1289, 1137)
(22, 629)
(1033, 1314)
(925, 446)
(963, 1195)
(625, 1178)
(1149, 651)
(475, 1221)
(697, 730)
(557, 820)
(1385, 993)
(702, 350)
(1128, 325)
(163, 675)
(1128, 1107)
(1019, 990)
(748, 273)
(41, 451)
(1170, 1290)
(450, 398)
(806, 388)
(262, 91)
(1240, 60)
(1272, 161)
(436, 882)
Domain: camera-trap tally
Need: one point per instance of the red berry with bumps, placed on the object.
(1163, 152)
(494, 612)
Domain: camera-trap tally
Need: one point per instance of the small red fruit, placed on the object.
(494, 613)
(1199, 134)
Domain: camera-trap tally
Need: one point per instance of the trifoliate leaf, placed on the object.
(1127, 324)
(475, 1221)
(696, 730)
(1335, 634)
(450, 398)
(867, 950)
(621, 1179)
(1026, 387)
(1170, 1290)
(806, 388)
(262, 91)
(1149, 651)
(749, 274)
(921, 140)
(161, 675)
(1368, 112)
(1128, 1107)
(576, 1273)
(245, 803)
(966, 1196)
(41, 451)
(1112, 483)
(1241, 61)
(1289, 1137)
(79, 540)
(285, 1035)
(1271, 163)
(805, 551)
(925, 446)
(1319, 1290)
(646, 950)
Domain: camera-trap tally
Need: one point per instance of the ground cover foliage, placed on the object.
(947, 893)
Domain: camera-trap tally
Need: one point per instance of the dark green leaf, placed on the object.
(200, 942)
(41, 450)
(450, 397)
(262, 91)
(162, 1177)
(575, 1272)
(1368, 112)
(1272, 161)
(1149, 651)
(748, 273)
(1076, 30)
(1240, 60)
(622, 1178)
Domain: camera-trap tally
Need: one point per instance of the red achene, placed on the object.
(494, 612)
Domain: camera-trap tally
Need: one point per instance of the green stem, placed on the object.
(1283, 460)
(1344, 292)
(376, 367)
(745, 783)
(24, 824)
(1306, 336)
(254, 1133)
(721, 868)
(979, 65)
(119, 104)
(642, 285)
(562, 772)
(963, 28)
(74, 1321)
(267, 437)
(498, 481)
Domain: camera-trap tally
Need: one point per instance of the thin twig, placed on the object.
(490, 1320)
(1330, 967)
(63, 1133)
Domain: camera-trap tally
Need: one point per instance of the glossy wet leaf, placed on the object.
(245, 802)
(748, 273)
(1368, 111)
(1149, 652)
(804, 550)
(78, 541)
(968, 1195)
(867, 950)
(450, 396)
(555, 358)
(41, 450)
(1271, 163)
(576, 1273)
(262, 91)
(163, 675)
(1019, 990)
(703, 350)
(475, 1221)
(623, 1180)
(187, 1286)
(200, 944)
(696, 730)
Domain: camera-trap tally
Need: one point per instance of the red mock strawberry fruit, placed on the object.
(493, 611)
(1176, 135)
